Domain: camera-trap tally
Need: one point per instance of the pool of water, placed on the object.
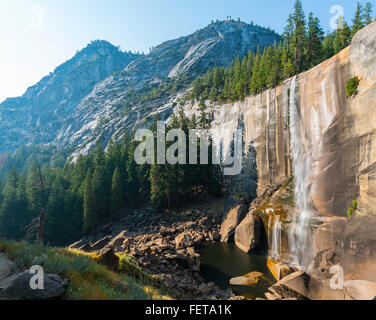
(222, 261)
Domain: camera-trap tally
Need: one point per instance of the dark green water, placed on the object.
(222, 261)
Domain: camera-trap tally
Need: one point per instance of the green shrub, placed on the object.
(352, 86)
(353, 207)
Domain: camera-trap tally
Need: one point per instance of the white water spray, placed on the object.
(300, 234)
(276, 240)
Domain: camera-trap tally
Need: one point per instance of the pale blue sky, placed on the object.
(36, 36)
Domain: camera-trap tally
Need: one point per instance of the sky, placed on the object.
(38, 35)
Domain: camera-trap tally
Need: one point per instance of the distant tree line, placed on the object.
(303, 47)
(79, 196)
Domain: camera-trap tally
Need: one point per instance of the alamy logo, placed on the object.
(337, 280)
(229, 155)
(337, 20)
(37, 281)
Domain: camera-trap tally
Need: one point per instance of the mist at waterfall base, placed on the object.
(222, 261)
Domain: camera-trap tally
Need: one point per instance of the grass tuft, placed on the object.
(88, 279)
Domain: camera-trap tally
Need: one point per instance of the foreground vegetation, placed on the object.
(88, 279)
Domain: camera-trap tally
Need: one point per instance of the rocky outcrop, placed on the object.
(248, 233)
(183, 240)
(109, 259)
(251, 279)
(19, 288)
(15, 285)
(45, 108)
(279, 270)
(165, 246)
(231, 221)
(97, 93)
(301, 286)
(100, 244)
(339, 136)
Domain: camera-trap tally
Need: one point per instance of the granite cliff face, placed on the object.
(37, 116)
(97, 93)
(215, 45)
(337, 136)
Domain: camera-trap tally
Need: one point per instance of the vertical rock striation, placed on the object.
(337, 133)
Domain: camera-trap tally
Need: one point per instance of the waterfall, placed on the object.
(276, 240)
(300, 234)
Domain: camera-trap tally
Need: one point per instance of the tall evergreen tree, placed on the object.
(314, 41)
(90, 205)
(358, 22)
(299, 38)
(367, 13)
(117, 193)
(57, 226)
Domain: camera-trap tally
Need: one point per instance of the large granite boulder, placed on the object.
(251, 279)
(7, 267)
(108, 258)
(360, 289)
(279, 270)
(116, 243)
(299, 285)
(247, 234)
(19, 288)
(100, 244)
(232, 220)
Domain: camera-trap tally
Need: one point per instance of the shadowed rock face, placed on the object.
(338, 133)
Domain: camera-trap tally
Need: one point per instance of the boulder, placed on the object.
(279, 270)
(194, 259)
(168, 280)
(360, 289)
(100, 244)
(116, 243)
(302, 286)
(108, 258)
(205, 223)
(78, 244)
(19, 288)
(183, 240)
(232, 220)
(7, 266)
(251, 279)
(247, 234)
(86, 247)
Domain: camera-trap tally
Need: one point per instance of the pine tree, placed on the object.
(90, 205)
(298, 37)
(328, 46)
(101, 191)
(342, 38)
(367, 13)
(358, 22)
(35, 191)
(57, 227)
(117, 193)
(314, 41)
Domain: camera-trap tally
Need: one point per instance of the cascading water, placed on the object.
(276, 240)
(300, 233)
